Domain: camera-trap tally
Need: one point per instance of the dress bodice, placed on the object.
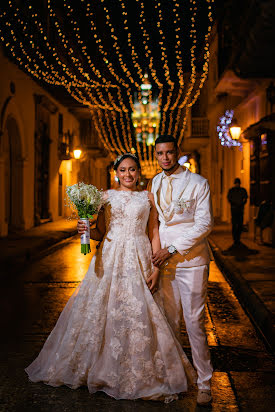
(127, 213)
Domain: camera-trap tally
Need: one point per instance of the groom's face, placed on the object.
(167, 155)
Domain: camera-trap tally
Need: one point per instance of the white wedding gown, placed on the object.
(112, 335)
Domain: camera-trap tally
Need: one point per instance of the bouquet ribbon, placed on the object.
(85, 238)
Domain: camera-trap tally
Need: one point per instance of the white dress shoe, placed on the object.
(204, 397)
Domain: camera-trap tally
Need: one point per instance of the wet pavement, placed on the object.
(250, 269)
(31, 244)
(32, 299)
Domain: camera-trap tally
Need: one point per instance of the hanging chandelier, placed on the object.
(146, 119)
(145, 115)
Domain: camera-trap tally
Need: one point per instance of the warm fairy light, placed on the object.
(162, 46)
(109, 95)
(146, 41)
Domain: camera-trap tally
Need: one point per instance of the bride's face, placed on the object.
(128, 173)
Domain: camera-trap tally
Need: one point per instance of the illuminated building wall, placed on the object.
(33, 154)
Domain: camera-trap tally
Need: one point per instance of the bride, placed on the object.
(112, 335)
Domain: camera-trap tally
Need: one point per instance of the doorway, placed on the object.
(13, 177)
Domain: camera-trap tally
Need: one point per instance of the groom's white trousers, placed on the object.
(184, 290)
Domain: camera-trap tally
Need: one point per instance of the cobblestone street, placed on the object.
(33, 298)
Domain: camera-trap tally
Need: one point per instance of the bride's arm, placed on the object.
(153, 232)
(153, 225)
(99, 231)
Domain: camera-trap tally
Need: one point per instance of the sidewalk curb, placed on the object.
(252, 304)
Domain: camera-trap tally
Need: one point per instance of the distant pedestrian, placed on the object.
(237, 197)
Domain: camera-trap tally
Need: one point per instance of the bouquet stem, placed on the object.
(85, 249)
(85, 238)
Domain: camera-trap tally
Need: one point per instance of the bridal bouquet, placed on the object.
(87, 199)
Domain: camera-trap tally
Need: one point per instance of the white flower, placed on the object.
(138, 341)
(112, 379)
(117, 314)
(87, 199)
(115, 347)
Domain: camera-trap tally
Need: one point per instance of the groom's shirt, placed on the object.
(178, 174)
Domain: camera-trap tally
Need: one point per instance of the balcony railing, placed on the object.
(199, 127)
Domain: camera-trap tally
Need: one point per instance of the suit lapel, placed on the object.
(182, 184)
(156, 188)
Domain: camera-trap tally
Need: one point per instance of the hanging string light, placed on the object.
(107, 86)
(61, 79)
(104, 54)
(123, 149)
(146, 42)
(103, 103)
(129, 40)
(102, 131)
(162, 46)
(178, 24)
(117, 47)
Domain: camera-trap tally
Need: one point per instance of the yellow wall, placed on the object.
(249, 105)
(21, 107)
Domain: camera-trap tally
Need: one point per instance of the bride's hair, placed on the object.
(120, 158)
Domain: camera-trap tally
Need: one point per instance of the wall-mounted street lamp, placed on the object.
(77, 153)
(235, 130)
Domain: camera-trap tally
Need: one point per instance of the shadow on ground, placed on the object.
(240, 251)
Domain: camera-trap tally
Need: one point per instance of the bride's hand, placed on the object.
(152, 281)
(81, 227)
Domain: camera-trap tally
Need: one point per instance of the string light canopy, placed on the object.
(98, 51)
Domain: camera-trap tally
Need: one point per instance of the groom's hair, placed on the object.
(166, 138)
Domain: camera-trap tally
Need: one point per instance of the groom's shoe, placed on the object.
(204, 397)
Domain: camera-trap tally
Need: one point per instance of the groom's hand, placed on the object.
(160, 257)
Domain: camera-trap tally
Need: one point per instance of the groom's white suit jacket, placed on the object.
(188, 220)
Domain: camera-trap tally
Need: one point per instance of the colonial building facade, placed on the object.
(38, 134)
(241, 82)
(240, 88)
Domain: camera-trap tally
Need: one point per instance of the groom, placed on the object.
(184, 206)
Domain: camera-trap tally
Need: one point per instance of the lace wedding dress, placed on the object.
(112, 335)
